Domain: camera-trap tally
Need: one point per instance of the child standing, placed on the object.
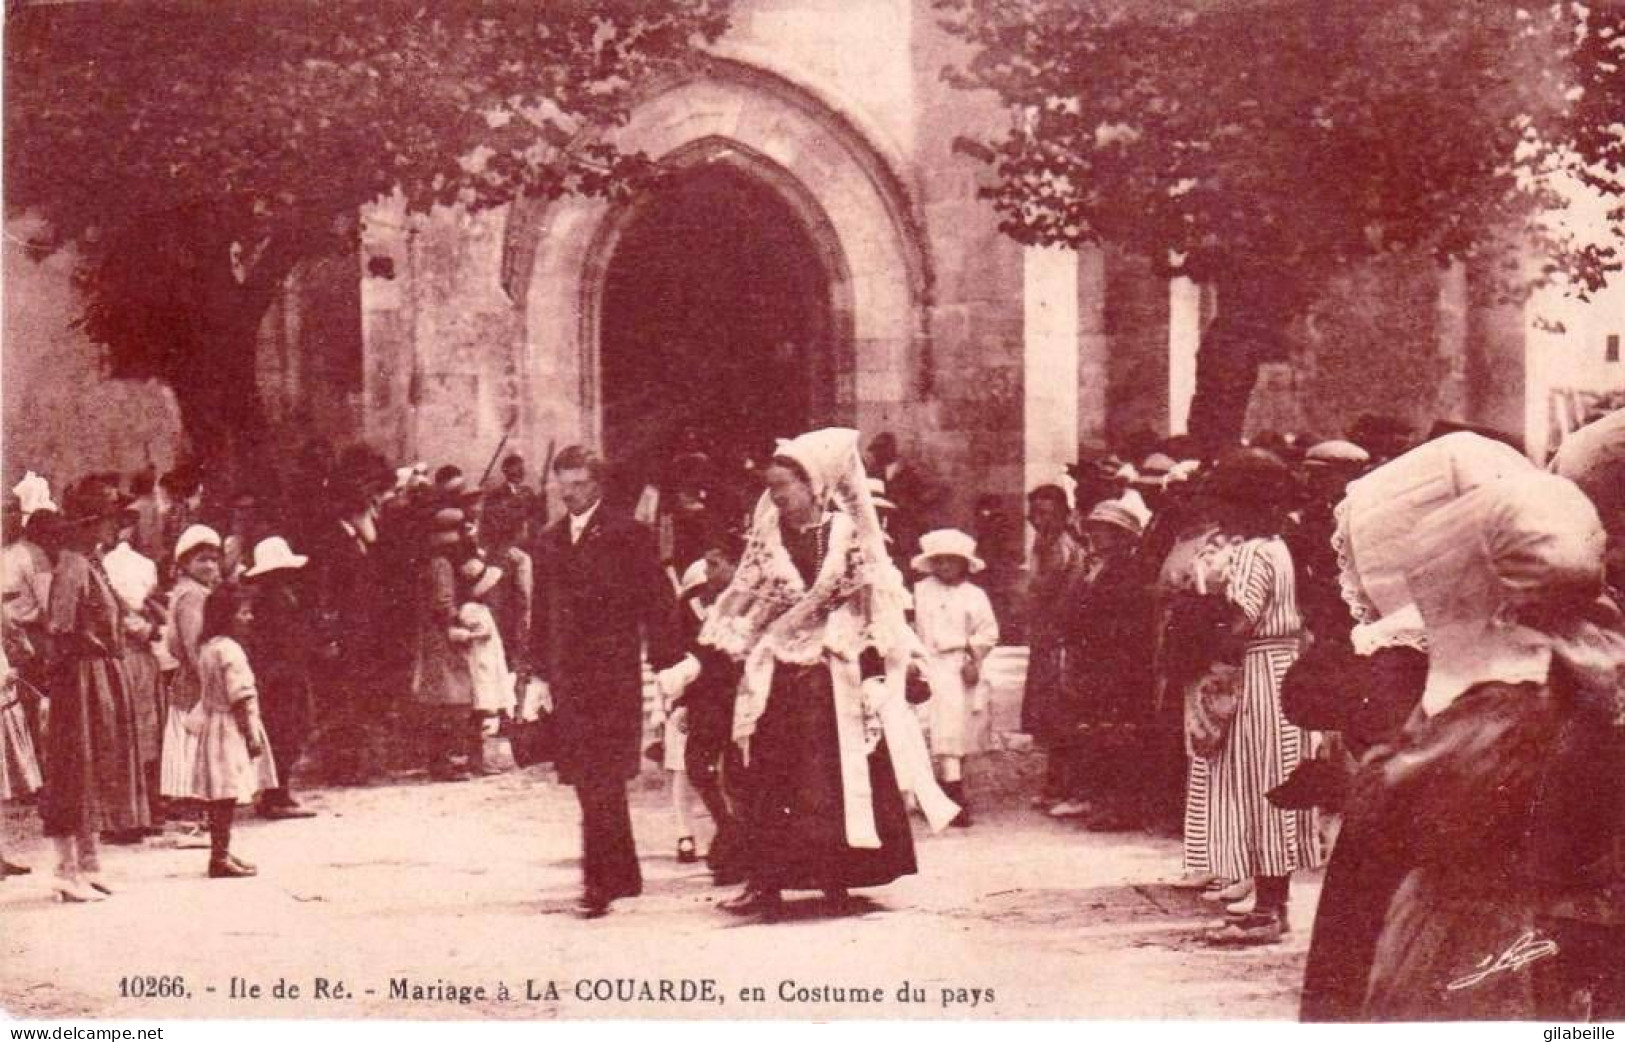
(706, 702)
(955, 622)
(669, 718)
(231, 761)
(477, 637)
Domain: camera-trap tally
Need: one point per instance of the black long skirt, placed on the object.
(1362, 876)
(94, 781)
(796, 824)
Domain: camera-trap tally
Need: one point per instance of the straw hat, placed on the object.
(947, 542)
(274, 554)
(196, 537)
(1128, 513)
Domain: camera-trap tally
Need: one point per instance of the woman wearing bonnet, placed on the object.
(1498, 784)
(1366, 686)
(816, 615)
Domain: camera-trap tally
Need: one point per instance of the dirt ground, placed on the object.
(471, 885)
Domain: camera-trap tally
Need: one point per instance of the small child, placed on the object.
(231, 759)
(956, 624)
(478, 639)
(670, 719)
(702, 688)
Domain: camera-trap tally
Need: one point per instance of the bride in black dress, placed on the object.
(816, 617)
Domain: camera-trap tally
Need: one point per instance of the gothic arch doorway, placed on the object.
(760, 152)
(716, 314)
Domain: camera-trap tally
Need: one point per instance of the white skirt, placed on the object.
(955, 719)
(19, 767)
(220, 767)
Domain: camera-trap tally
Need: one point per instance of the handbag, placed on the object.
(1211, 704)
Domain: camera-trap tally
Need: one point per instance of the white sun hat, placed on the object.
(947, 542)
(274, 554)
(196, 536)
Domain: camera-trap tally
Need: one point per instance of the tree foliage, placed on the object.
(194, 152)
(1266, 145)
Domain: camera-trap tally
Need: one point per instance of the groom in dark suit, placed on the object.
(600, 597)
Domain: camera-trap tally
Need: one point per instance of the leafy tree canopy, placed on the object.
(1222, 134)
(1266, 145)
(193, 152)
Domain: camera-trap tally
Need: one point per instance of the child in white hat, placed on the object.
(477, 638)
(955, 621)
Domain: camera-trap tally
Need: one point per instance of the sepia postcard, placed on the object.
(813, 510)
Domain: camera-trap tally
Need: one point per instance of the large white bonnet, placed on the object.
(1380, 514)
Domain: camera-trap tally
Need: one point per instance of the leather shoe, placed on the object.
(594, 904)
(1250, 930)
(278, 812)
(230, 868)
(753, 902)
(9, 869)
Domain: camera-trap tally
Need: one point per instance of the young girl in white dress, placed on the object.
(955, 621)
(231, 759)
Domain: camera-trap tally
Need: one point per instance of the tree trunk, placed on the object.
(216, 387)
(1254, 310)
(214, 371)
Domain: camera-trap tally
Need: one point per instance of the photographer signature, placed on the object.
(1525, 950)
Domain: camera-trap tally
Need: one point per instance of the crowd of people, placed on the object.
(1414, 647)
(1419, 641)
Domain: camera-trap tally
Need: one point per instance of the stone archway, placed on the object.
(845, 195)
(719, 302)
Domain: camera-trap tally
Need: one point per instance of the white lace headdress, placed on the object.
(770, 614)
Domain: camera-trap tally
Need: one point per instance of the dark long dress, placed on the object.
(1494, 797)
(797, 823)
(1048, 703)
(1366, 865)
(93, 762)
(279, 650)
(1111, 678)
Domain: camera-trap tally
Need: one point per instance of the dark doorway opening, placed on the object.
(715, 326)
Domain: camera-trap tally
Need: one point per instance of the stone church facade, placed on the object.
(815, 148)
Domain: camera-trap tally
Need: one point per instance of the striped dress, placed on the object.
(1241, 834)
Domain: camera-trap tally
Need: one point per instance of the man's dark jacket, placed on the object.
(597, 602)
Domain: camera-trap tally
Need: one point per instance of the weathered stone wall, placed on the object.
(1400, 337)
(975, 386)
(310, 361)
(444, 378)
(64, 417)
